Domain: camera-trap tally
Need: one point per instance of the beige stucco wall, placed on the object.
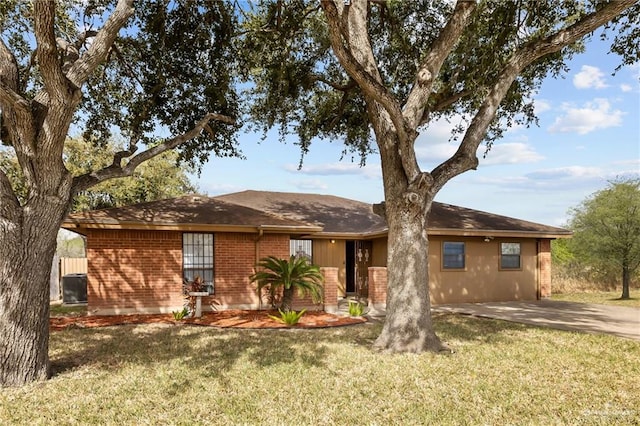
(328, 254)
(482, 279)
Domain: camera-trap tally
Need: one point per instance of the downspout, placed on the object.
(257, 241)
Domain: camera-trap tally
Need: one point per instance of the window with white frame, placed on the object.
(509, 255)
(301, 248)
(453, 255)
(197, 258)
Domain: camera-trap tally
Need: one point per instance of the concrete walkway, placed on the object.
(590, 318)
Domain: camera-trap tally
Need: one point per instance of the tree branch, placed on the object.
(369, 83)
(97, 52)
(442, 104)
(47, 51)
(465, 157)
(413, 110)
(116, 170)
(9, 204)
(351, 84)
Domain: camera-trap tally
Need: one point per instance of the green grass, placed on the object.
(601, 297)
(56, 309)
(501, 373)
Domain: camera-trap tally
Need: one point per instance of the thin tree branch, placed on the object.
(351, 84)
(97, 52)
(371, 85)
(430, 67)
(116, 170)
(442, 104)
(465, 157)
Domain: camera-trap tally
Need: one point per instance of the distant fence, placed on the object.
(73, 265)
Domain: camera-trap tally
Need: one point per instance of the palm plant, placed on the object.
(288, 274)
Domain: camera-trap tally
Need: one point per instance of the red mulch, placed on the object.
(221, 319)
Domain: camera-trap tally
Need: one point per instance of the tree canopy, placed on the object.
(606, 229)
(363, 71)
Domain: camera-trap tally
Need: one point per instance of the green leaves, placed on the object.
(276, 275)
(288, 317)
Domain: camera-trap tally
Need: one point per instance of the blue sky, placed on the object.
(589, 133)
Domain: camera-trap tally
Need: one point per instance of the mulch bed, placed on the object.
(220, 319)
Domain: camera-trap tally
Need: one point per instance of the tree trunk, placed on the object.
(408, 326)
(287, 299)
(626, 277)
(27, 248)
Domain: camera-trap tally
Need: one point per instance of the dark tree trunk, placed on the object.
(626, 277)
(27, 248)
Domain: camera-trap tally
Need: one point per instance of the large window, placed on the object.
(453, 255)
(197, 258)
(301, 248)
(509, 255)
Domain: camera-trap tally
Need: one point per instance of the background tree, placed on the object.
(606, 229)
(381, 71)
(160, 177)
(162, 69)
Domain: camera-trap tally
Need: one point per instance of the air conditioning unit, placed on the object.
(74, 288)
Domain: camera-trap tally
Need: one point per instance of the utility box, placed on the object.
(74, 288)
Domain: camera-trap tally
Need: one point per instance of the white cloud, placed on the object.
(509, 153)
(626, 87)
(593, 116)
(311, 185)
(569, 172)
(589, 78)
(336, 169)
(541, 105)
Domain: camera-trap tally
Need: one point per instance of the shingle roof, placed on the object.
(183, 211)
(299, 213)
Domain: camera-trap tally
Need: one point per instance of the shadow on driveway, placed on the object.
(584, 317)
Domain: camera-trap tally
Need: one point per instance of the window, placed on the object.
(300, 248)
(509, 255)
(197, 258)
(453, 255)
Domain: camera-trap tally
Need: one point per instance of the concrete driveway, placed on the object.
(589, 318)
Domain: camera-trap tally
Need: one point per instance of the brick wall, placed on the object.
(141, 271)
(377, 288)
(133, 270)
(331, 284)
(544, 268)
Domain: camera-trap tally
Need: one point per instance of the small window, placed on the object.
(301, 248)
(453, 255)
(509, 255)
(197, 258)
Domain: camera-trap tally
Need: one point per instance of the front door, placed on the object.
(358, 261)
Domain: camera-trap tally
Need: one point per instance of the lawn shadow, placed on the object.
(213, 351)
(452, 327)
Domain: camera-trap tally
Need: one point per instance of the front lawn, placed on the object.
(501, 373)
(601, 297)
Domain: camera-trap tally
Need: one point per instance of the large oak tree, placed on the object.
(103, 67)
(376, 73)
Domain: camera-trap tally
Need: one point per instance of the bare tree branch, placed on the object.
(116, 170)
(351, 84)
(370, 84)
(465, 157)
(47, 51)
(430, 67)
(97, 52)
(442, 104)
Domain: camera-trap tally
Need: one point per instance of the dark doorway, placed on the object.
(350, 266)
